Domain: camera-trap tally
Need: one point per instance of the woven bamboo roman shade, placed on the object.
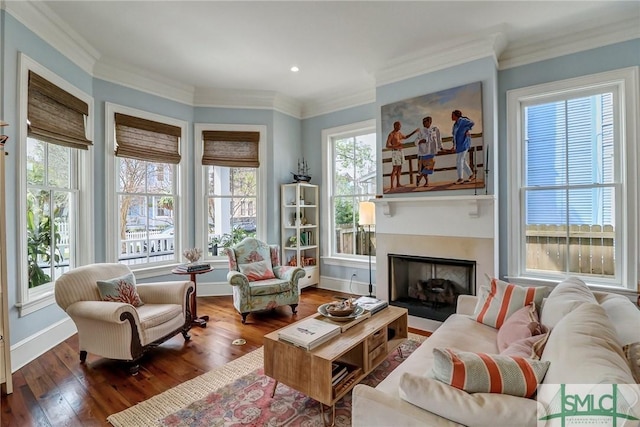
(231, 149)
(55, 115)
(144, 139)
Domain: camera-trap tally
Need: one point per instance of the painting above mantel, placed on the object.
(434, 142)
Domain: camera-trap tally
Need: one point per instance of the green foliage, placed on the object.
(39, 238)
(226, 240)
(344, 211)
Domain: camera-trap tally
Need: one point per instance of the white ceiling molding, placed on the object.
(329, 104)
(42, 21)
(443, 56)
(238, 98)
(142, 80)
(608, 33)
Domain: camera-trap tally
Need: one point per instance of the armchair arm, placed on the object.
(235, 278)
(164, 292)
(103, 311)
(290, 274)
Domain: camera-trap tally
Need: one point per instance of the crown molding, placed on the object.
(142, 80)
(522, 53)
(237, 98)
(339, 101)
(43, 22)
(443, 56)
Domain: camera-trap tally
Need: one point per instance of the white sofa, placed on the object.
(583, 348)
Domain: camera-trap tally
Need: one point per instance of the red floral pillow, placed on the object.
(120, 289)
(260, 270)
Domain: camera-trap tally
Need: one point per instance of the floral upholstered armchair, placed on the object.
(258, 280)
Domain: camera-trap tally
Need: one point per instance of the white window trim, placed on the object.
(200, 184)
(111, 178)
(626, 82)
(30, 301)
(347, 261)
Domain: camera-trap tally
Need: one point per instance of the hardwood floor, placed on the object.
(56, 390)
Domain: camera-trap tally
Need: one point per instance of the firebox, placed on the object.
(429, 287)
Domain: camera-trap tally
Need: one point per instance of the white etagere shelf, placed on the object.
(299, 229)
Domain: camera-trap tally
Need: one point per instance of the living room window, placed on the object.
(146, 187)
(349, 162)
(233, 182)
(55, 158)
(573, 169)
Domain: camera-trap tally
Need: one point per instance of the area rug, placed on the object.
(239, 394)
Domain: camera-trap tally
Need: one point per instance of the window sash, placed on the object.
(624, 85)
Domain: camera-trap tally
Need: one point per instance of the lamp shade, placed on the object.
(367, 213)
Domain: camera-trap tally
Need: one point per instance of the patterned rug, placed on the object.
(245, 399)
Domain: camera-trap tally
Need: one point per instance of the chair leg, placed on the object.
(244, 318)
(293, 308)
(186, 335)
(83, 356)
(134, 368)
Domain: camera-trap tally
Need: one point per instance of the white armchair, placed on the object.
(117, 330)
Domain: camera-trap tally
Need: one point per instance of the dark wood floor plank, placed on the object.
(56, 390)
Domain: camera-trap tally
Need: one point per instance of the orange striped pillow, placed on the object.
(488, 373)
(504, 299)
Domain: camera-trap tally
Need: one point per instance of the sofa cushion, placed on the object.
(564, 298)
(477, 409)
(458, 331)
(583, 349)
(488, 373)
(522, 324)
(504, 299)
(259, 270)
(624, 315)
(531, 347)
(632, 354)
(120, 289)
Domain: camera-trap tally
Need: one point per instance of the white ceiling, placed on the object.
(340, 47)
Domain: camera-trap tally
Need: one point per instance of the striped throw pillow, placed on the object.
(488, 373)
(504, 299)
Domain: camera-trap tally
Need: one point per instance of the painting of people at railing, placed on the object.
(434, 142)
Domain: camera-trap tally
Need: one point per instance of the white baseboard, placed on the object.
(37, 344)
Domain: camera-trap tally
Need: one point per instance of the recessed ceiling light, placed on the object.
(295, 69)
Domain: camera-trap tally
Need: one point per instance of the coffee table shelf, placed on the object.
(363, 346)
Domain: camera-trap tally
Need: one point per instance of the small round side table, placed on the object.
(202, 320)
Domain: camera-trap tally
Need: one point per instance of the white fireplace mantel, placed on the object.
(471, 202)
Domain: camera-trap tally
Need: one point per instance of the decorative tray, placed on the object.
(357, 311)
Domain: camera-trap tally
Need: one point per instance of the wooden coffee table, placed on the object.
(363, 347)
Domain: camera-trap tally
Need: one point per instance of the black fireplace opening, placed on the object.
(429, 287)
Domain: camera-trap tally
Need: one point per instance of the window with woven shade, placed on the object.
(56, 116)
(143, 139)
(231, 148)
(55, 192)
(232, 185)
(145, 185)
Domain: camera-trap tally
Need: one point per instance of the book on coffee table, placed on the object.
(371, 304)
(309, 333)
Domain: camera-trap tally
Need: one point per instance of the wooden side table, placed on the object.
(202, 320)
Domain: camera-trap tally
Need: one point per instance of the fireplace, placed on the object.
(429, 287)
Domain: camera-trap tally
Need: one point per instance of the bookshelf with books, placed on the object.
(299, 229)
